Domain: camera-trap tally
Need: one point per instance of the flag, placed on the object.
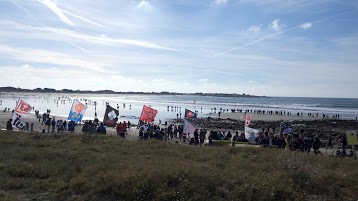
(110, 116)
(77, 111)
(251, 134)
(248, 119)
(286, 127)
(16, 121)
(189, 127)
(352, 137)
(189, 114)
(22, 107)
(148, 114)
(144, 127)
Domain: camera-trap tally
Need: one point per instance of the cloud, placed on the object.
(81, 18)
(220, 2)
(60, 13)
(275, 25)
(203, 80)
(50, 58)
(250, 81)
(52, 6)
(306, 25)
(72, 35)
(145, 5)
(18, 5)
(255, 28)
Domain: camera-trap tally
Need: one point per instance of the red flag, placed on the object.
(189, 114)
(148, 114)
(248, 119)
(23, 107)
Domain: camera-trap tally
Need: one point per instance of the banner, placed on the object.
(77, 111)
(352, 137)
(189, 114)
(16, 121)
(286, 127)
(148, 114)
(248, 119)
(110, 116)
(251, 134)
(22, 107)
(189, 127)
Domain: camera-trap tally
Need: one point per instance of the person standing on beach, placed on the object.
(101, 129)
(9, 125)
(316, 144)
(44, 118)
(236, 136)
(48, 124)
(65, 125)
(196, 137)
(330, 142)
(71, 126)
(53, 123)
(307, 144)
(202, 137)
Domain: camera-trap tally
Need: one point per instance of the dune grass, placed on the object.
(57, 167)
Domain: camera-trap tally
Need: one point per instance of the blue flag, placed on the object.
(77, 111)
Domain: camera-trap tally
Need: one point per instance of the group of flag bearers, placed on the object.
(147, 118)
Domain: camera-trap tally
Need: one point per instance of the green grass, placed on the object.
(45, 167)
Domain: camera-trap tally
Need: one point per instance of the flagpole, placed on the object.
(17, 103)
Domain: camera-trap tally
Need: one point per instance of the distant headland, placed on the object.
(70, 91)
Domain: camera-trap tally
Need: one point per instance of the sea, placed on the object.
(173, 106)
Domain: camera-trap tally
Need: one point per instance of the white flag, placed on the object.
(250, 134)
(16, 121)
(188, 127)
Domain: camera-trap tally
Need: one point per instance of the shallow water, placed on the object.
(60, 104)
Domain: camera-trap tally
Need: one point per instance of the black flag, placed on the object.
(110, 116)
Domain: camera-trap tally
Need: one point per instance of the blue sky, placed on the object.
(262, 47)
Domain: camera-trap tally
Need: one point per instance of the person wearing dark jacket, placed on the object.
(242, 138)
(261, 139)
(236, 136)
(228, 136)
(9, 125)
(281, 142)
(316, 144)
(196, 137)
(307, 144)
(296, 144)
(101, 129)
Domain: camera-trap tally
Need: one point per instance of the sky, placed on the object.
(262, 47)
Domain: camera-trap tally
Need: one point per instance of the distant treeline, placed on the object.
(49, 90)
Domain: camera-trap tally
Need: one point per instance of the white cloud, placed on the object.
(306, 25)
(81, 18)
(52, 6)
(203, 80)
(275, 25)
(250, 81)
(72, 35)
(145, 5)
(255, 28)
(50, 58)
(220, 2)
(60, 13)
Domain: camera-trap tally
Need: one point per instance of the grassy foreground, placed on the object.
(44, 167)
